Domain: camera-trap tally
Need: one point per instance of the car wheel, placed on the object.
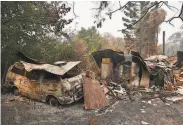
(53, 101)
(16, 91)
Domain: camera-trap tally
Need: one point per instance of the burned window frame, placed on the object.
(32, 75)
(18, 71)
(67, 75)
(43, 77)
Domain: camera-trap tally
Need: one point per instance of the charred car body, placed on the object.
(60, 83)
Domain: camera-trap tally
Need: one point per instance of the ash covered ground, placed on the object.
(16, 110)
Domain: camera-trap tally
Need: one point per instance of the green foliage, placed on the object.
(112, 42)
(130, 16)
(25, 26)
(92, 38)
(52, 50)
(26, 23)
(133, 11)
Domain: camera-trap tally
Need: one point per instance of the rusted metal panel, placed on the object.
(94, 97)
(29, 88)
(58, 70)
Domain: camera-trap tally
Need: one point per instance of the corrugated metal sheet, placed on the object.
(94, 97)
(58, 70)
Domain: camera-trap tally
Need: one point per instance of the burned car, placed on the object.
(58, 83)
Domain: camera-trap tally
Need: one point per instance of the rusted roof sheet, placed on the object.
(94, 96)
(58, 70)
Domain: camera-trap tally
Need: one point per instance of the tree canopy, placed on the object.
(92, 38)
(25, 25)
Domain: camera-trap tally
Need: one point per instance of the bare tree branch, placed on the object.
(161, 5)
(74, 9)
(180, 16)
(169, 6)
(119, 3)
(121, 8)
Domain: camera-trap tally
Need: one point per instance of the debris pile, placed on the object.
(131, 75)
(165, 72)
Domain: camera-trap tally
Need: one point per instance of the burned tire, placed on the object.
(53, 101)
(16, 91)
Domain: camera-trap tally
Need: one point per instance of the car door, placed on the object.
(49, 85)
(33, 85)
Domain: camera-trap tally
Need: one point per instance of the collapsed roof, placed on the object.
(118, 57)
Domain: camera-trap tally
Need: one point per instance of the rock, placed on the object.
(144, 123)
(149, 102)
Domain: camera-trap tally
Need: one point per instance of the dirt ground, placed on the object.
(22, 111)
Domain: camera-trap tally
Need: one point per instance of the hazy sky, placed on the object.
(86, 19)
